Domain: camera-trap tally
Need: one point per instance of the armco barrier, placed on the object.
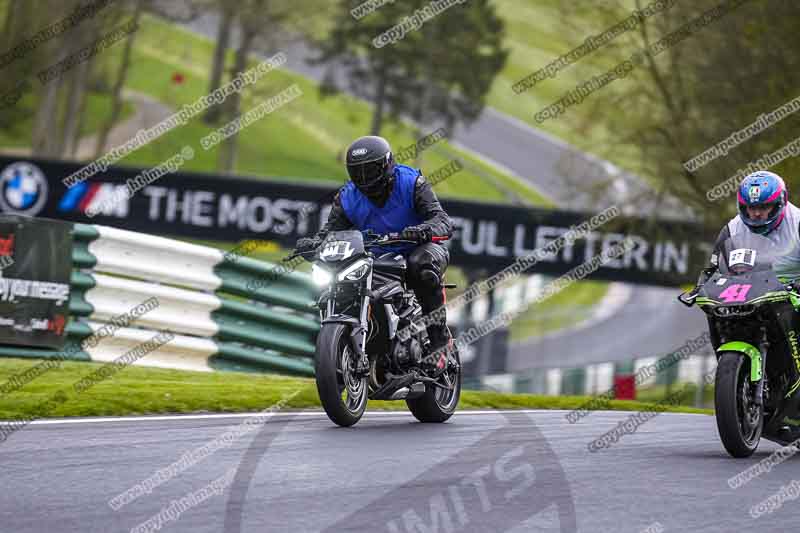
(203, 299)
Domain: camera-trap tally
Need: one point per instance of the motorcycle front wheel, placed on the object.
(343, 395)
(739, 420)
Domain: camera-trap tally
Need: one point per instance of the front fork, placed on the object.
(763, 349)
(758, 361)
(358, 328)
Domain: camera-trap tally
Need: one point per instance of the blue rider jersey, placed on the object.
(396, 214)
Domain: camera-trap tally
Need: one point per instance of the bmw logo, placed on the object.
(23, 189)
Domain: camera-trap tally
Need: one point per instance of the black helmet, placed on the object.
(370, 165)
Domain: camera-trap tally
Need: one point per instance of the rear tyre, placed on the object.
(438, 404)
(739, 420)
(343, 396)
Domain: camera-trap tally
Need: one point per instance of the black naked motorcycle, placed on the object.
(372, 343)
(751, 316)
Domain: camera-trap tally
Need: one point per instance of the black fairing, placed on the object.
(761, 282)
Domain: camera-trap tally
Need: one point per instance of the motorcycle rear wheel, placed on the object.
(739, 420)
(343, 395)
(437, 405)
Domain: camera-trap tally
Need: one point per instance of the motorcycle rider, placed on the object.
(764, 208)
(388, 197)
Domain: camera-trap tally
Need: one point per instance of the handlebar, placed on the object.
(388, 238)
(395, 237)
(377, 240)
(688, 299)
(298, 254)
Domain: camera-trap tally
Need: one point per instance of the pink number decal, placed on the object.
(735, 293)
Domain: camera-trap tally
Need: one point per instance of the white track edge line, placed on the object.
(217, 416)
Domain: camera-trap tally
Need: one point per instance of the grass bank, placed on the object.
(141, 390)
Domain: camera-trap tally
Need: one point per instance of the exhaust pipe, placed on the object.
(404, 393)
(400, 394)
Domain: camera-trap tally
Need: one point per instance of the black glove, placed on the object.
(306, 244)
(419, 234)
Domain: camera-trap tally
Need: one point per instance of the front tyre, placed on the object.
(343, 395)
(739, 420)
(438, 404)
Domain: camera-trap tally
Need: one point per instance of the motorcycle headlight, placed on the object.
(354, 272)
(320, 276)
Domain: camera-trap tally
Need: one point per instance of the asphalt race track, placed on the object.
(489, 471)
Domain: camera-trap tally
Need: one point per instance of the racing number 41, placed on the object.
(735, 293)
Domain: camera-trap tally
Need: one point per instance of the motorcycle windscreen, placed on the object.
(745, 271)
(341, 245)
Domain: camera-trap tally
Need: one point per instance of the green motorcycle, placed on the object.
(751, 318)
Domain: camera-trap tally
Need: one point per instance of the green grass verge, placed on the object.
(654, 393)
(568, 307)
(140, 390)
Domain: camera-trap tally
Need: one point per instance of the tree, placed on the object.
(76, 97)
(18, 15)
(226, 19)
(46, 125)
(119, 82)
(442, 71)
(258, 24)
(178, 12)
(697, 93)
(250, 23)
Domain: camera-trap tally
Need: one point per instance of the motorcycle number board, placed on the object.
(742, 256)
(336, 251)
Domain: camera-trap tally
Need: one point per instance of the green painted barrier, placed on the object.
(257, 316)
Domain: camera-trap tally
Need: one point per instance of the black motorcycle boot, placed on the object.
(441, 342)
(431, 297)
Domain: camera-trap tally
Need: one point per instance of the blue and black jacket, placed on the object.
(410, 202)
